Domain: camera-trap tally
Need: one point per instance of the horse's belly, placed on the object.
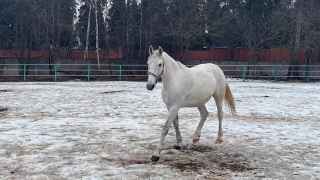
(196, 100)
(202, 90)
(190, 100)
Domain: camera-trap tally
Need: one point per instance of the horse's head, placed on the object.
(155, 67)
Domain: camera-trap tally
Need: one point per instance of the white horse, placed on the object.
(187, 87)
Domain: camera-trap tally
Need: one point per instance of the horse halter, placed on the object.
(157, 76)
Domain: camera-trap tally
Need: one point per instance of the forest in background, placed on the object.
(177, 25)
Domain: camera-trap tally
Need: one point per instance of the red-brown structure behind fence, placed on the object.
(63, 54)
(273, 55)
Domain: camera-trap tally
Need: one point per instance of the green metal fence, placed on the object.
(89, 72)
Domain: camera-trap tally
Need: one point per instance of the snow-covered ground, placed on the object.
(108, 130)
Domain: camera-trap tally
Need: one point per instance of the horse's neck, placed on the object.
(171, 68)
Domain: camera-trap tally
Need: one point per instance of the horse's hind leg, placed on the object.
(204, 114)
(219, 104)
(178, 134)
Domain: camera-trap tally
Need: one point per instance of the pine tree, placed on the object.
(7, 24)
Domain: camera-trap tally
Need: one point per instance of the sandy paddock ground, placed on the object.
(108, 130)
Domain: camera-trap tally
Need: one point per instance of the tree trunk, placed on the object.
(88, 33)
(140, 30)
(298, 31)
(51, 60)
(127, 33)
(58, 43)
(97, 33)
(293, 68)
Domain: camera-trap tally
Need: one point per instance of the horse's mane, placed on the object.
(181, 65)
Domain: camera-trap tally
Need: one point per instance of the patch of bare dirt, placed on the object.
(127, 161)
(36, 116)
(3, 109)
(202, 157)
(112, 92)
(195, 166)
(201, 148)
(5, 90)
(195, 159)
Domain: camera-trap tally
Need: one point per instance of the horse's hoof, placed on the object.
(219, 141)
(195, 140)
(155, 158)
(177, 147)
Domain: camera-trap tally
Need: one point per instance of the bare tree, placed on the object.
(298, 29)
(293, 69)
(141, 29)
(97, 32)
(88, 30)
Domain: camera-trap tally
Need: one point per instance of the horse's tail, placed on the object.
(230, 100)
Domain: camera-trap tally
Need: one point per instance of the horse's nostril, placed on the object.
(150, 86)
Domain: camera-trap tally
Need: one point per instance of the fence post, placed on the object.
(243, 72)
(306, 73)
(24, 72)
(274, 72)
(120, 72)
(55, 72)
(88, 72)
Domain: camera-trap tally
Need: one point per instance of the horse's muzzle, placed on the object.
(150, 87)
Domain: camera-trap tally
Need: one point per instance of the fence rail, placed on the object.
(88, 72)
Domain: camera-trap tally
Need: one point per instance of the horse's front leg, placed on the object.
(178, 133)
(177, 129)
(173, 112)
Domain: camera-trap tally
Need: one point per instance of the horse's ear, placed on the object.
(160, 50)
(150, 50)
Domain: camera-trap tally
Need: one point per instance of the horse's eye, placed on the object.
(160, 65)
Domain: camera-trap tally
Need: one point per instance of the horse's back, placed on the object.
(212, 74)
(194, 86)
(203, 81)
(209, 69)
